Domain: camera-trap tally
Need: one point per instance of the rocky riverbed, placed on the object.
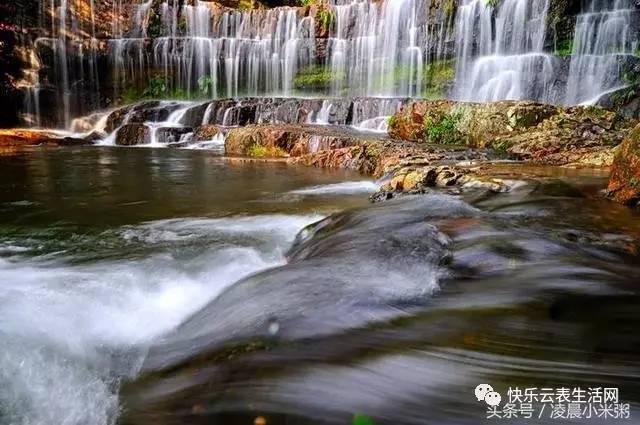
(429, 144)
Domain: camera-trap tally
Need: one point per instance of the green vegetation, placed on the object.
(154, 26)
(450, 8)
(625, 95)
(392, 121)
(315, 78)
(325, 18)
(259, 151)
(491, 3)
(156, 88)
(439, 76)
(564, 48)
(245, 5)
(205, 85)
(442, 129)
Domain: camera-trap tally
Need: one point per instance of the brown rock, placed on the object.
(624, 184)
(133, 134)
(26, 137)
(206, 132)
(578, 136)
(287, 139)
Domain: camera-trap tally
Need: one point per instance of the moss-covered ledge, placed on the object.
(531, 131)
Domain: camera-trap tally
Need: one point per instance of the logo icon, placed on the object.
(484, 392)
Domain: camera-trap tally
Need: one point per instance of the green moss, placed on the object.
(259, 151)
(450, 8)
(392, 121)
(564, 48)
(315, 77)
(439, 76)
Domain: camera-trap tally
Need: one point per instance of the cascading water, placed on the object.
(500, 52)
(73, 45)
(485, 51)
(374, 49)
(249, 52)
(604, 39)
(258, 52)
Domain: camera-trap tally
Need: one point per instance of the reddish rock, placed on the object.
(206, 132)
(26, 137)
(624, 184)
(545, 134)
(279, 140)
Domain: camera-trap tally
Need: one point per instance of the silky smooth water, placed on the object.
(159, 286)
(103, 250)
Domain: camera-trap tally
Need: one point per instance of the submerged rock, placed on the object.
(624, 184)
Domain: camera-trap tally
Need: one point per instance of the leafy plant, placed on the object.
(156, 89)
(442, 129)
(154, 28)
(206, 84)
(491, 3)
(325, 18)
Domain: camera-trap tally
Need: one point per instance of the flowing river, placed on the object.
(157, 286)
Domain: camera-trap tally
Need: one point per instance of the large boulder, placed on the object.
(133, 134)
(624, 184)
(206, 132)
(281, 140)
(625, 101)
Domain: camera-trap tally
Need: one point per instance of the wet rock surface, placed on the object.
(26, 137)
(133, 134)
(624, 184)
(539, 133)
(291, 140)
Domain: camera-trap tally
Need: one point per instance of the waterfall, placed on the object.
(500, 52)
(374, 49)
(70, 36)
(603, 40)
(236, 53)
(476, 50)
